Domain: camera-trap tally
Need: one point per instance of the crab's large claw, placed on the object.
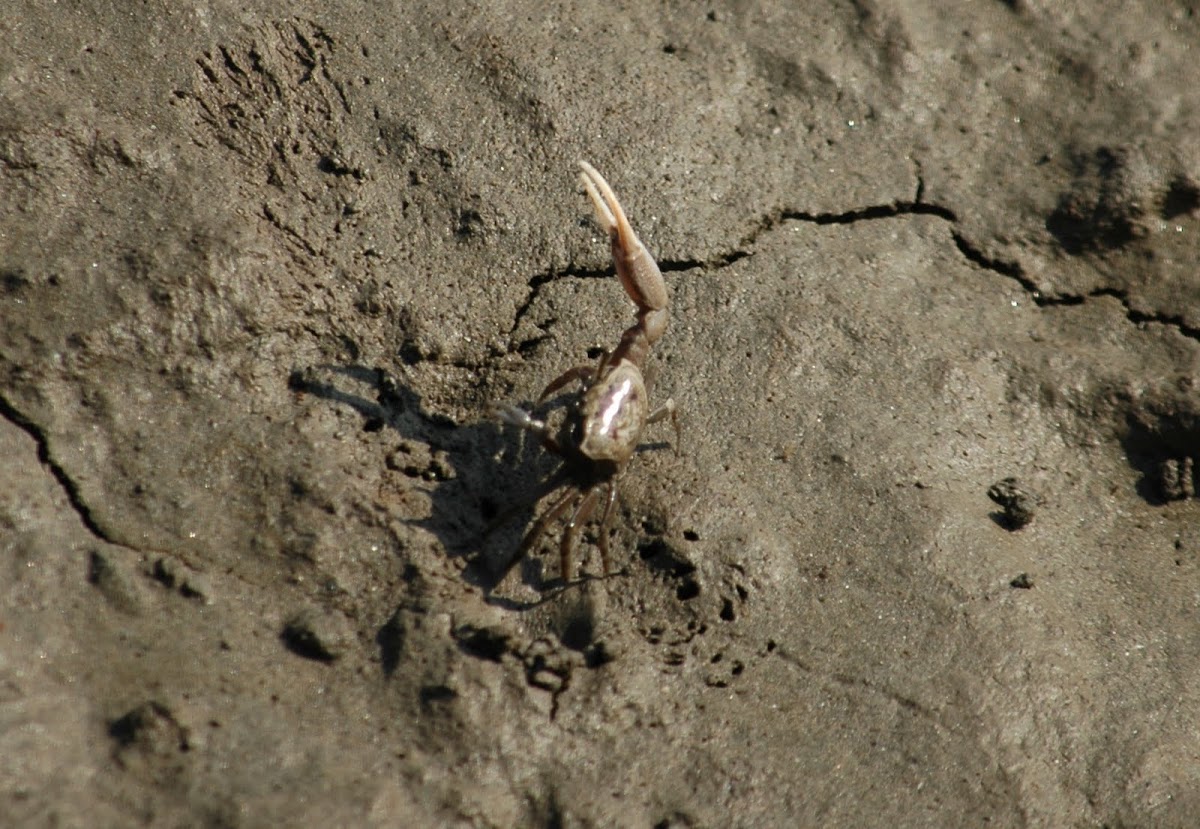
(639, 275)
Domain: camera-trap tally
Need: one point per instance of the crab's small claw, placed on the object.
(639, 275)
(516, 416)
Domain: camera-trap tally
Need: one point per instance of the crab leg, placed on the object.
(578, 518)
(664, 411)
(582, 373)
(560, 506)
(605, 523)
(639, 275)
(545, 488)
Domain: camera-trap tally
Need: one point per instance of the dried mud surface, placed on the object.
(263, 275)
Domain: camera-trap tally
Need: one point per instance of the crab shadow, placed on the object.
(483, 481)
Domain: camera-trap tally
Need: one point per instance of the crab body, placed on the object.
(605, 425)
(612, 416)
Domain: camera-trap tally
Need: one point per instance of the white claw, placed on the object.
(636, 269)
(516, 416)
(600, 200)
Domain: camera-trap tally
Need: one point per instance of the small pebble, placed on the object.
(1018, 504)
(316, 634)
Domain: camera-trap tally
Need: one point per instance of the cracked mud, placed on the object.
(263, 277)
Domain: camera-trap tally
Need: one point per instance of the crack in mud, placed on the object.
(902, 700)
(969, 251)
(852, 683)
(1014, 271)
(289, 232)
(1138, 317)
(913, 207)
(723, 260)
(69, 487)
(535, 284)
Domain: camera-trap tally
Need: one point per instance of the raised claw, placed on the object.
(637, 270)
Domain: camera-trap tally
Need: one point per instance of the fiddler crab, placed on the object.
(602, 429)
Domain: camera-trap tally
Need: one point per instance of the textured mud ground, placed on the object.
(265, 272)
